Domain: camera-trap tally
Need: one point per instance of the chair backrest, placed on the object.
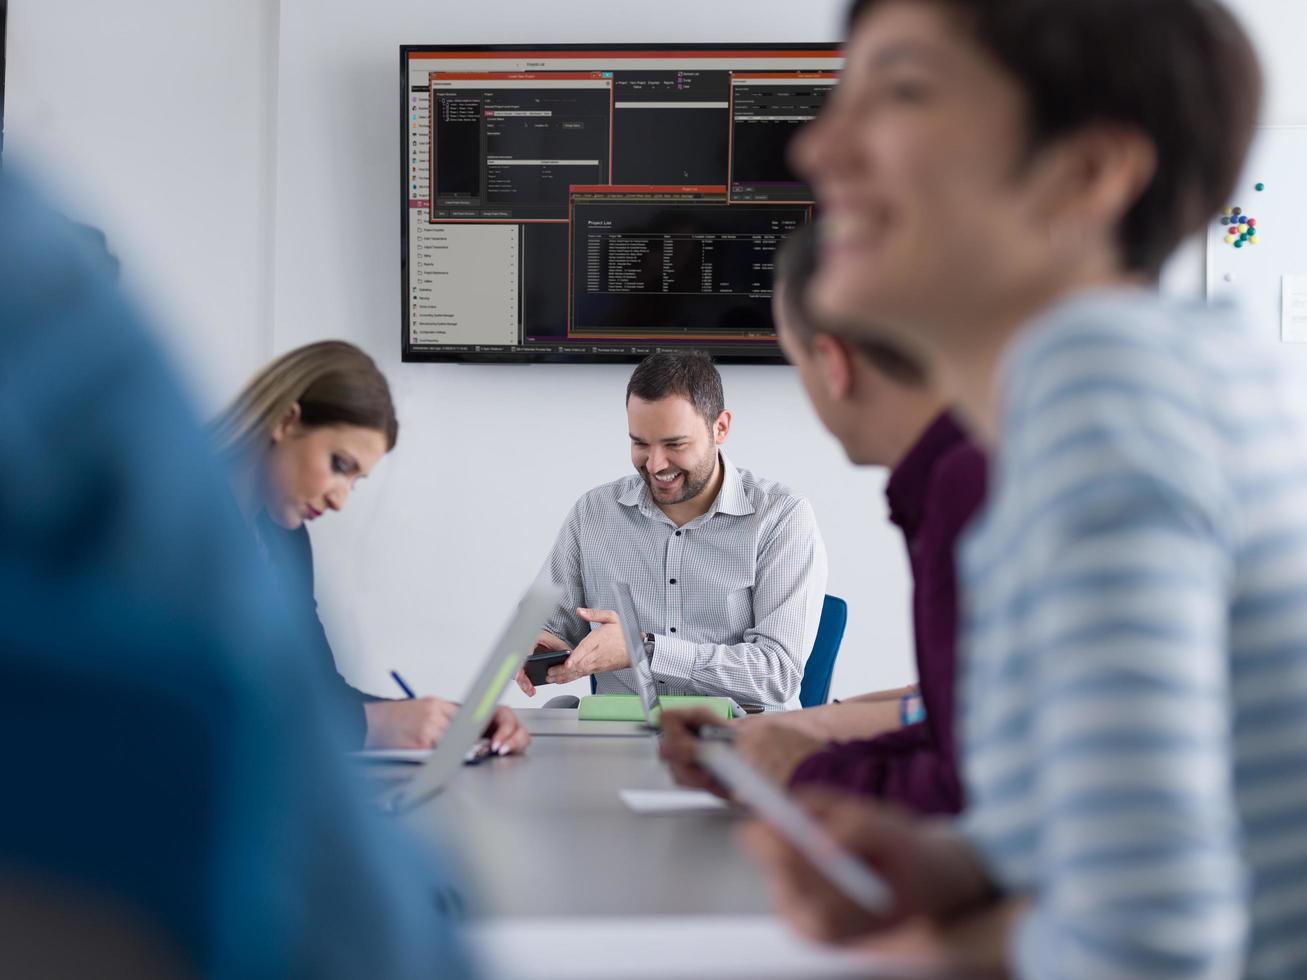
(817, 672)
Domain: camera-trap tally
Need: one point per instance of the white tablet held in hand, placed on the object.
(857, 881)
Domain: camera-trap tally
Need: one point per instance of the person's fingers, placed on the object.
(517, 742)
(546, 641)
(677, 748)
(679, 733)
(525, 684)
(602, 616)
(563, 674)
(801, 895)
(692, 777)
(509, 734)
(501, 725)
(762, 844)
(576, 666)
(582, 649)
(688, 775)
(435, 719)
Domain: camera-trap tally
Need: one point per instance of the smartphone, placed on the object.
(857, 881)
(538, 664)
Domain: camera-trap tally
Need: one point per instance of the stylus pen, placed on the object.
(408, 691)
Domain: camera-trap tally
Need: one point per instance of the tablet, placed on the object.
(859, 883)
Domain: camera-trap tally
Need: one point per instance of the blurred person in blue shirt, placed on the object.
(172, 759)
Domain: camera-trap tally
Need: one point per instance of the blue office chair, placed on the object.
(817, 672)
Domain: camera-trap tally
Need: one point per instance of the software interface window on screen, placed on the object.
(600, 204)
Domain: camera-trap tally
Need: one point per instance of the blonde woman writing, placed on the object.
(297, 438)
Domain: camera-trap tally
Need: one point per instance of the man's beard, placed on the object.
(693, 484)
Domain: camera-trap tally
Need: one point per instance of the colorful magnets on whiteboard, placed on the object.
(1260, 187)
(1240, 228)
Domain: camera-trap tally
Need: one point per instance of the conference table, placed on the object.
(570, 882)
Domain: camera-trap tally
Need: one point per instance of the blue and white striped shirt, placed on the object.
(1135, 725)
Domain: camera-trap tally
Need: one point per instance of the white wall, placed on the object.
(153, 121)
(241, 154)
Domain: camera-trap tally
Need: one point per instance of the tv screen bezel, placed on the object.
(408, 355)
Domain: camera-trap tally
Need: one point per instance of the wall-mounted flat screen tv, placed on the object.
(598, 203)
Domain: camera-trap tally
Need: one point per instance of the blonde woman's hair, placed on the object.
(334, 383)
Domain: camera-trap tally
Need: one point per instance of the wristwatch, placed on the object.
(649, 647)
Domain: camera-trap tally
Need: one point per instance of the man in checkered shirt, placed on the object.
(727, 569)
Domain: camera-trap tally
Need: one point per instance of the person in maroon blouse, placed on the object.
(878, 402)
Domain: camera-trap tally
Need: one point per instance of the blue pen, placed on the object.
(408, 691)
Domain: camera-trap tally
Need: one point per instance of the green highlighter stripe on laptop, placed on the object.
(491, 698)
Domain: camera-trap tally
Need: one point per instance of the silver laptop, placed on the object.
(634, 638)
(650, 699)
(501, 666)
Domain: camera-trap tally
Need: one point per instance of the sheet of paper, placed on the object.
(1293, 309)
(651, 801)
(670, 947)
(417, 756)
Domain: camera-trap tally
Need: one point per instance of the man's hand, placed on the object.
(931, 871)
(603, 650)
(772, 746)
(416, 723)
(545, 641)
(508, 736)
(679, 747)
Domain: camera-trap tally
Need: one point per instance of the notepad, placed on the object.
(657, 801)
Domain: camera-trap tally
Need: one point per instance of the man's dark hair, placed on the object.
(689, 374)
(1182, 72)
(796, 266)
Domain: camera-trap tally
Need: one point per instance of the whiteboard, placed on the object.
(1252, 276)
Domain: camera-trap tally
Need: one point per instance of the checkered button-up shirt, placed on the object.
(733, 597)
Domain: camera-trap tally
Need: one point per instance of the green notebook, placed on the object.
(627, 707)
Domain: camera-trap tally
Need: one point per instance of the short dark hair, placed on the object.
(796, 266)
(689, 374)
(1182, 72)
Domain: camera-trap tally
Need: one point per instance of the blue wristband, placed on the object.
(911, 710)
